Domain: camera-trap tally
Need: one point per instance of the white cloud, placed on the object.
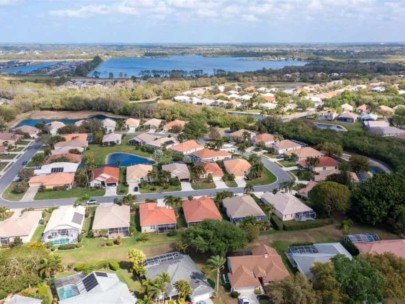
(84, 11)
(9, 2)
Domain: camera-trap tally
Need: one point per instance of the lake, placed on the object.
(33, 122)
(27, 69)
(125, 160)
(127, 67)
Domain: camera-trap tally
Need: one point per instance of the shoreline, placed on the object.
(60, 115)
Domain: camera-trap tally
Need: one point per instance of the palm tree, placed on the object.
(173, 201)
(150, 288)
(216, 263)
(4, 212)
(162, 280)
(50, 265)
(248, 188)
(197, 171)
(312, 162)
(145, 300)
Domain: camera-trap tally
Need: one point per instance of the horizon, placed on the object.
(201, 21)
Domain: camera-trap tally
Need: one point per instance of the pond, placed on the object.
(333, 127)
(33, 122)
(125, 160)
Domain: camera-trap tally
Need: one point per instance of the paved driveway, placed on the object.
(220, 184)
(186, 186)
(240, 181)
(30, 194)
(131, 187)
(109, 191)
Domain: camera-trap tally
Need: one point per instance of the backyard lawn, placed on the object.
(38, 233)
(266, 178)
(9, 195)
(72, 193)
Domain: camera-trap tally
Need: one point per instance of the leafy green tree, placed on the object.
(331, 149)
(325, 284)
(184, 288)
(214, 237)
(216, 263)
(195, 128)
(359, 163)
(50, 265)
(137, 258)
(329, 197)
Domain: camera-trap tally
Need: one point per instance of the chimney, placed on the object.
(266, 256)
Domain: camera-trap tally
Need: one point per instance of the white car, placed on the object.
(243, 301)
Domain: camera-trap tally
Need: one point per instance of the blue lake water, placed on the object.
(27, 69)
(33, 122)
(127, 67)
(126, 160)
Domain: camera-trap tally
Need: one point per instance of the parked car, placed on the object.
(24, 163)
(243, 301)
(92, 201)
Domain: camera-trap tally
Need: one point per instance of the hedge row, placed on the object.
(69, 246)
(87, 268)
(293, 225)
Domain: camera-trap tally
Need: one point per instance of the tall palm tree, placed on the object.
(4, 212)
(150, 288)
(173, 201)
(50, 265)
(162, 280)
(312, 162)
(216, 263)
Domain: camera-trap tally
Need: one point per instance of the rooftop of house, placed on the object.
(53, 179)
(237, 166)
(208, 153)
(242, 206)
(285, 203)
(55, 125)
(106, 174)
(396, 247)
(108, 122)
(265, 137)
(74, 158)
(285, 144)
(138, 171)
(177, 169)
(66, 217)
(308, 187)
(20, 225)
(305, 152)
(132, 122)
(324, 161)
(176, 122)
(79, 136)
(212, 168)
(111, 215)
(197, 210)
(112, 137)
(28, 129)
(74, 143)
(187, 146)
(151, 214)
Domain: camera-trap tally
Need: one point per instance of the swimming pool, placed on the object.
(60, 242)
(334, 127)
(125, 160)
(67, 292)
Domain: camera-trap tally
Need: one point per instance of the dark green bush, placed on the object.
(67, 246)
(276, 222)
(114, 265)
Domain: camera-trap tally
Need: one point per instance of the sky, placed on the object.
(201, 21)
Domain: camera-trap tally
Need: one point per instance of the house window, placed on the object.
(56, 170)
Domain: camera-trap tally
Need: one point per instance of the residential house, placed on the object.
(248, 273)
(53, 180)
(327, 115)
(79, 123)
(368, 117)
(132, 124)
(64, 225)
(361, 108)
(112, 220)
(9, 139)
(239, 167)
(3, 149)
(212, 169)
(138, 173)
(240, 134)
(287, 207)
(347, 117)
(386, 110)
(304, 153)
(106, 176)
(387, 131)
(31, 131)
(112, 139)
(174, 124)
(156, 218)
(109, 125)
(283, 146)
(347, 107)
(264, 139)
(179, 267)
(22, 225)
(396, 247)
(178, 170)
(153, 123)
(96, 287)
(75, 144)
(208, 155)
(83, 137)
(68, 157)
(200, 209)
(57, 167)
(370, 124)
(308, 187)
(187, 147)
(325, 163)
(54, 126)
(304, 257)
(240, 207)
(153, 141)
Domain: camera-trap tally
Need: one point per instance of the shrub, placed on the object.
(20, 187)
(258, 291)
(276, 222)
(172, 233)
(109, 243)
(143, 237)
(118, 240)
(114, 265)
(235, 294)
(67, 246)
(78, 245)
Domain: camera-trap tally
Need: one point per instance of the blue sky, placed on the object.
(207, 21)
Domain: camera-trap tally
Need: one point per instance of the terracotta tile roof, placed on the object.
(171, 124)
(239, 133)
(187, 147)
(75, 143)
(305, 152)
(200, 209)
(73, 158)
(208, 153)
(324, 161)
(28, 129)
(285, 144)
(322, 175)
(52, 180)
(396, 247)
(263, 138)
(79, 136)
(237, 166)
(132, 122)
(268, 98)
(106, 174)
(264, 264)
(308, 187)
(9, 136)
(2, 149)
(212, 168)
(150, 215)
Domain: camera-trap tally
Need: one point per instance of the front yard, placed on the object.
(11, 196)
(202, 185)
(266, 178)
(149, 188)
(72, 193)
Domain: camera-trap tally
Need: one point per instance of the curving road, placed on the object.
(7, 178)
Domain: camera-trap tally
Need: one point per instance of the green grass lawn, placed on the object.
(266, 178)
(203, 185)
(231, 183)
(72, 193)
(122, 186)
(38, 233)
(126, 276)
(92, 250)
(281, 247)
(7, 156)
(24, 142)
(9, 195)
(153, 189)
(285, 163)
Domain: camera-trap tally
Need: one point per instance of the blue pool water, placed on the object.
(67, 292)
(33, 122)
(125, 160)
(60, 242)
(27, 69)
(127, 67)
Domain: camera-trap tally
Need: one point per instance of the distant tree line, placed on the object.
(88, 66)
